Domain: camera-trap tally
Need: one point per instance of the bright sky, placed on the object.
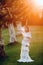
(36, 8)
(38, 3)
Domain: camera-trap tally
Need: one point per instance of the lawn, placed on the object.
(36, 48)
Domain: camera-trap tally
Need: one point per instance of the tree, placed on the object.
(2, 51)
(8, 18)
(11, 29)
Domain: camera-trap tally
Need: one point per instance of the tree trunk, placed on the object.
(2, 51)
(12, 39)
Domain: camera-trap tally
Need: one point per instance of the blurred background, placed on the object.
(24, 10)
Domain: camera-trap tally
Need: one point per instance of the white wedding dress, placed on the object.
(24, 56)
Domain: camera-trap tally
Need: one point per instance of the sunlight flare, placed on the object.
(39, 3)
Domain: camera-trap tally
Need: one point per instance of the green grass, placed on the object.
(36, 49)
